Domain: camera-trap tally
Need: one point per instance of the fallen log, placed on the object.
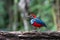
(29, 35)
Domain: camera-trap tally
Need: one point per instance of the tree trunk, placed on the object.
(24, 12)
(15, 24)
(9, 3)
(58, 14)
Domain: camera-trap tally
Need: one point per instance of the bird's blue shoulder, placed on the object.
(37, 20)
(40, 21)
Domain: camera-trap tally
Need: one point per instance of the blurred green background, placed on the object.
(11, 19)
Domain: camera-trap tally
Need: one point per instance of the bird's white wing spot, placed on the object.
(32, 21)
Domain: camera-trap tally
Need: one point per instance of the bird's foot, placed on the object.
(34, 30)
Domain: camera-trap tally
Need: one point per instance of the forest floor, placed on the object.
(29, 35)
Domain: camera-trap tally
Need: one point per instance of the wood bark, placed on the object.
(30, 36)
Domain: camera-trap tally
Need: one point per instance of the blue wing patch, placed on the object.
(40, 21)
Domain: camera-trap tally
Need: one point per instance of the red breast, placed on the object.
(37, 25)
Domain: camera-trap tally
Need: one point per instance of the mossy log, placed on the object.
(29, 35)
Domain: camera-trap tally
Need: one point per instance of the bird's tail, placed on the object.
(45, 25)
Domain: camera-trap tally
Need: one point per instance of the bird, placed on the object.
(36, 22)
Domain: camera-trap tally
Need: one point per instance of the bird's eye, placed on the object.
(32, 16)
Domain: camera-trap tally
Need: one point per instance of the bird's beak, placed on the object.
(28, 16)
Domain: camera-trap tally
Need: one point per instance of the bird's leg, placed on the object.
(34, 30)
(39, 29)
